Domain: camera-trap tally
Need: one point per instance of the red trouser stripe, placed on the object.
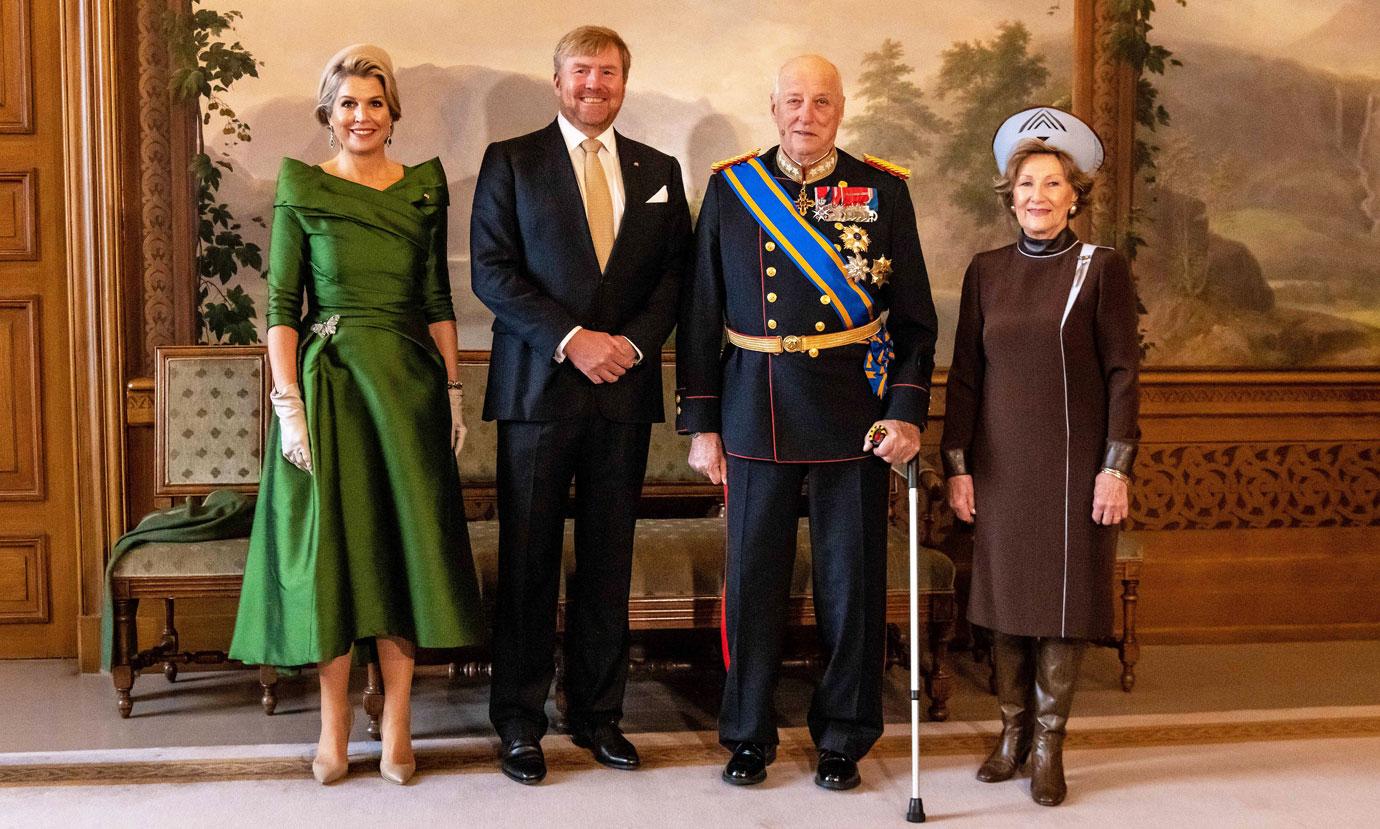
(723, 598)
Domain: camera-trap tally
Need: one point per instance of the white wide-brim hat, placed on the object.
(1057, 128)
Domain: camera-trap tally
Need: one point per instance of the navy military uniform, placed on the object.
(799, 418)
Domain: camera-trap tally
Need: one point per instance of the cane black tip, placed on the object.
(916, 812)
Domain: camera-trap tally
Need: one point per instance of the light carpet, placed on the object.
(1292, 767)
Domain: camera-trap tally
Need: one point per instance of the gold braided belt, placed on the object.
(808, 343)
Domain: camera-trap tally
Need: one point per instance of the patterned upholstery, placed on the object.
(181, 558)
(212, 417)
(673, 558)
(679, 557)
(665, 460)
(1129, 547)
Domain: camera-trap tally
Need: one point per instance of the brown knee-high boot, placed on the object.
(1056, 673)
(1013, 657)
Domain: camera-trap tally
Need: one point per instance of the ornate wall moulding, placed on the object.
(16, 68)
(1257, 486)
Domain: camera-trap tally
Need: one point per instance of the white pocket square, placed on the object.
(659, 196)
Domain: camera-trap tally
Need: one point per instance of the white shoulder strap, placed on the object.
(1080, 273)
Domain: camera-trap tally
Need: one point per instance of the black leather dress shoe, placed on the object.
(836, 771)
(523, 760)
(608, 745)
(748, 765)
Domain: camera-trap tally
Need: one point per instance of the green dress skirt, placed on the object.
(373, 542)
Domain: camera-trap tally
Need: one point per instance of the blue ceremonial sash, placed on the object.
(812, 254)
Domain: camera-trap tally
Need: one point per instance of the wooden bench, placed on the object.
(678, 558)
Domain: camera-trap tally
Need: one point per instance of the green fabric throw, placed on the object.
(224, 514)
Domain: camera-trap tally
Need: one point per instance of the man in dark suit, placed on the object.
(578, 241)
(810, 263)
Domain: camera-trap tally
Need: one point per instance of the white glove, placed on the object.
(292, 425)
(457, 420)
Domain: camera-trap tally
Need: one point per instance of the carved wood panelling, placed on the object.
(156, 181)
(16, 69)
(21, 470)
(18, 215)
(23, 580)
(1255, 486)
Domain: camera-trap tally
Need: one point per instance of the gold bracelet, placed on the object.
(1117, 473)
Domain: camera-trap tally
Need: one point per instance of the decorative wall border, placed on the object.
(1257, 486)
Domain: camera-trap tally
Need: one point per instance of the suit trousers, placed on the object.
(848, 540)
(536, 464)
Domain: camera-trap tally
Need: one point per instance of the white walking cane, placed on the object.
(916, 811)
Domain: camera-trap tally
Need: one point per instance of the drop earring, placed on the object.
(389, 140)
(1073, 210)
(331, 133)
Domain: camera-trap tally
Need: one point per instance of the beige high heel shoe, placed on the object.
(398, 773)
(327, 773)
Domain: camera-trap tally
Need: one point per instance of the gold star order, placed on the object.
(855, 239)
(881, 269)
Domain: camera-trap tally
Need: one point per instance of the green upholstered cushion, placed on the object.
(479, 457)
(673, 558)
(682, 557)
(665, 459)
(200, 558)
(213, 418)
(1129, 547)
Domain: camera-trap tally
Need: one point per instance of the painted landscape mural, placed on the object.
(1260, 229)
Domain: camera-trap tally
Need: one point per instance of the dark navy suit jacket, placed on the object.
(533, 264)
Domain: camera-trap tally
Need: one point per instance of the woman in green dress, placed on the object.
(359, 533)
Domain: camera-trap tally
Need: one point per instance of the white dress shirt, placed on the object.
(613, 174)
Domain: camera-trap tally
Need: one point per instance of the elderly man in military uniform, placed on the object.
(810, 264)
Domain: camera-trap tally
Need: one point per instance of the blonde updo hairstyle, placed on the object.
(1005, 184)
(361, 60)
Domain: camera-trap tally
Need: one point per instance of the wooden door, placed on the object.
(38, 509)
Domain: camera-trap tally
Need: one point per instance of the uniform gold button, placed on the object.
(771, 246)
(838, 246)
(824, 300)
(814, 352)
(771, 271)
(843, 183)
(838, 225)
(819, 326)
(771, 297)
(771, 324)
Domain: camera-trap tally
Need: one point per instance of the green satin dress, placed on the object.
(373, 542)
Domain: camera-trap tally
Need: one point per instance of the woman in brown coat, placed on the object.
(1040, 432)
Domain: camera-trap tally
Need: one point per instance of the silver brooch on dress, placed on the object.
(327, 328)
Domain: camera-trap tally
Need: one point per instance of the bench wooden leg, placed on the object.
(268, 681)
(168, 643)
(126, 647)
(938, 684)
(1129, 649)
(373, 700)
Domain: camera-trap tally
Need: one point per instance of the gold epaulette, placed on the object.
(737, 159)
(882, 164)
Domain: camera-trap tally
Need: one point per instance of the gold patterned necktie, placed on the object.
(598, 203)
